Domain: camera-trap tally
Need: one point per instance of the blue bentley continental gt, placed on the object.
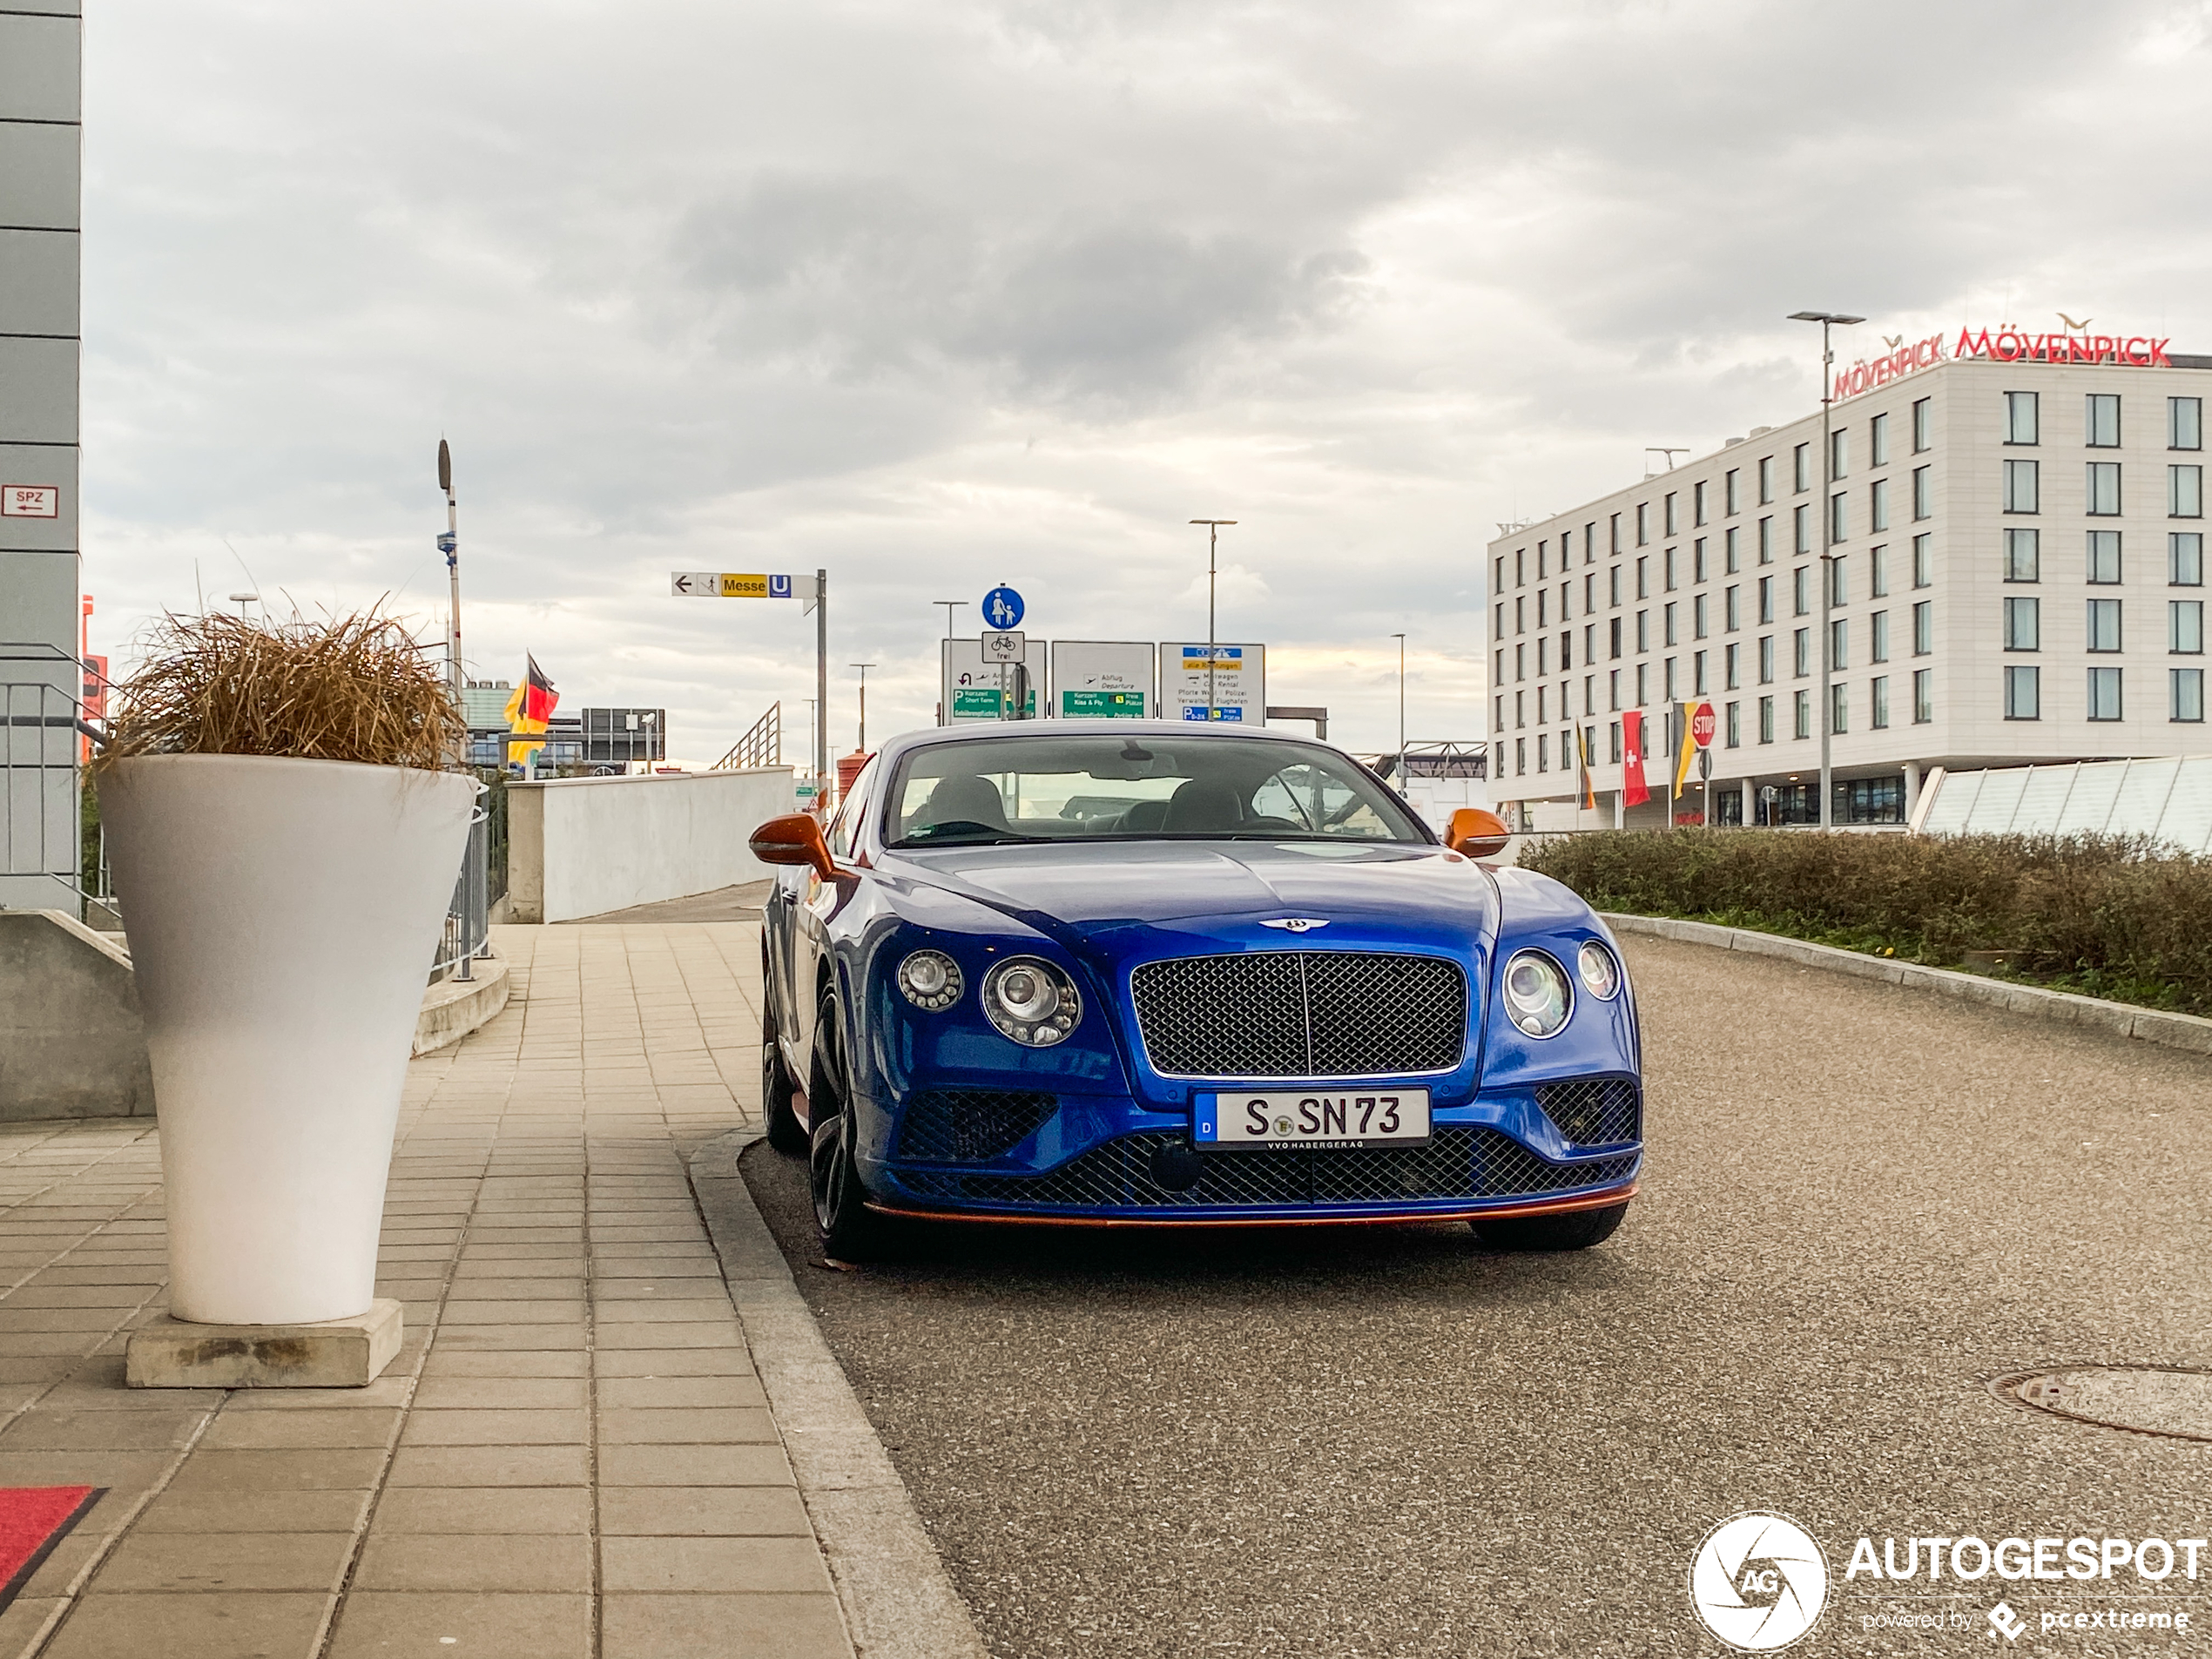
(1118, 972)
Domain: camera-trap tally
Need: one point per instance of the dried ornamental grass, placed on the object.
(357, 689)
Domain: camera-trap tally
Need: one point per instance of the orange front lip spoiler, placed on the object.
(1540, 1207)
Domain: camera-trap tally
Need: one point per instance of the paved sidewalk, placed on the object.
(572, 1455)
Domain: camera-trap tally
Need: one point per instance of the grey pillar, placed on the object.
(1912, 788)
(1751, 803)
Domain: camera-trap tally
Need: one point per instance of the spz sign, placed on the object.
(30, 500)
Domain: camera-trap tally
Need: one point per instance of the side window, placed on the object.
(846, 826)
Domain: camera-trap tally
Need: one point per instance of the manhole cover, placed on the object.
(2149, 1400)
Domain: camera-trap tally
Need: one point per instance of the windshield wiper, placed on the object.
(964, 832)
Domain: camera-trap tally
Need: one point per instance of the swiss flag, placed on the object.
(1633, 793)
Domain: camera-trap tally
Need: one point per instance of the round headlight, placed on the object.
(930, 980)
(1600, 973)
(1031, 1000)
(1536, 993)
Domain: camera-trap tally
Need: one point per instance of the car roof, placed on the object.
(992, 731)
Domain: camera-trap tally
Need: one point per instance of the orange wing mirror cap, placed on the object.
(796, 838)
(1476, 834)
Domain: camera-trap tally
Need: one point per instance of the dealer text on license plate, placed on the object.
(1313, 1117)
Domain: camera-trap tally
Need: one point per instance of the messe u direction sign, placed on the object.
(729, 584)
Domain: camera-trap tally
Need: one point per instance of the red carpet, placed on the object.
(32, 1520)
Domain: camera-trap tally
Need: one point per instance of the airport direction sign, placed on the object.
(729, 584)
(1101, 679)
(1240, 680)
(1002, 608)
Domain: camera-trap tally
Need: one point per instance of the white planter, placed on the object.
(283, 915)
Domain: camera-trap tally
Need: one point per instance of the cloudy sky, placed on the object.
(934, 295)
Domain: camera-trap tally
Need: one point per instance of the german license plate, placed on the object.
(1313, 1117)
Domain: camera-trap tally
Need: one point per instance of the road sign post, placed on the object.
(1003, 610)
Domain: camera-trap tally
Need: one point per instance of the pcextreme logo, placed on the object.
(1758, 1582)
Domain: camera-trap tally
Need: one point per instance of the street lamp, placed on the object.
(450, 544)
(862, 745)
(1400, 638)
(950, 605)
(242, 600)
(1213, 529)
(1826, 319)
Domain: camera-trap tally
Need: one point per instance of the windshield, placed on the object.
(1099, 787)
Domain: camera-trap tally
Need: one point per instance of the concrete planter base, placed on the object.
(331, 1353)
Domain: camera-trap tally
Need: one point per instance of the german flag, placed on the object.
(529, 711)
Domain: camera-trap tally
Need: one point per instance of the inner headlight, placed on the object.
(930, 980)
(1536, 993)
(1600, 972)
(1031, 1000)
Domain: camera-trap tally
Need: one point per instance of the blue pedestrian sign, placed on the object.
(1002, 608)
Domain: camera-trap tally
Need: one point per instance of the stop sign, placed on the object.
(1702, 725)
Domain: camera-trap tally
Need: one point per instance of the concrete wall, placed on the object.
(581, 846)
(72, 1044)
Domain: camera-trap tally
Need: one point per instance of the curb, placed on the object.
(899, 1603)
(453, 1008)
(2184, 1031)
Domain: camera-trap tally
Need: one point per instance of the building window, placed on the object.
(2101, 428)
(2185, 691)
(1643, 523)
(1924, 629)
(1766, 479)
(1667, 614)
(2185, 627)
(1877, 504)
(1673, 520)
(1923, 425)
(1766, 541)
(2104, 694)
(1616, 741)
(1643, 630)
(2020, 422)
(1589, 644)
(2184, 492)
(1667, 569)
(1670, 679)
(1838, 582)
(1878, 702)
(1736, 726)
(1642, 688)
(1613, 532)
(2020, 486)
(1698, 568)
(1732, 491)
(1766, 599)
(1878, 637)
(1613, 585)
(1877, 442)
(1838, 642)
(1766, 719)
(1612, 691)
(1801, 639)
(2023, 624)
(1543, 752)
(1923, 493)
(1542, 552)
(1614, 629)
(1697, 629)
(1838, 518)
(1498, 674)
(1878, 572)
(1643, 578)
(2185, 423)
(1804, 714)
(2185, 559)
(1520, 756)
(1800, 520)
(1520, 662)
(1923, 696)
(1923, 562)
(1733, 666)
(2104, 624)
(2104, 488)
(1732, 550)
(1801, 589)
(1803, 467)
(1543, 704)
(1698, 502)
(1838, 453)
(2023, 692)
(2103, 561)
(1766, 659)
(2023, 556)
(1543, 606)
(1732, 607)
(1839, 710)
(1697, 686)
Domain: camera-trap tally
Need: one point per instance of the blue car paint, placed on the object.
(1099, 910)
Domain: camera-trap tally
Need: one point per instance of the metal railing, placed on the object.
(467, 929)
(44, 858)
(762, 746)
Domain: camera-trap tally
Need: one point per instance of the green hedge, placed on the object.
(2115, 917)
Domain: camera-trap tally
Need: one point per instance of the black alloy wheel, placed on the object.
(1576, 1230)
(785, 1132)
(848, 1229)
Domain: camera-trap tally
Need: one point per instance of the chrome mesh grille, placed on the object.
(1307, 1013)
(1459, 1161)
(969, 1125)
(1595, 1112)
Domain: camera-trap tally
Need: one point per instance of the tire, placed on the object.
(785, 1132)
(847, 1229)
(1576, 1230)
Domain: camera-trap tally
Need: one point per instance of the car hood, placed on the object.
(1222, 891)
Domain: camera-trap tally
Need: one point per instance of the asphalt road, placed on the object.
(1860, 1205)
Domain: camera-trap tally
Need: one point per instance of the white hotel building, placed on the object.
(2014, 552)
